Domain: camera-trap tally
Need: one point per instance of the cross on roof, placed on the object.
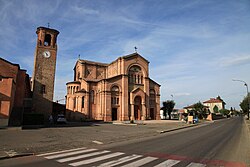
(135, 49)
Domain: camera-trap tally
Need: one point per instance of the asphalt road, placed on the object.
(222, 143)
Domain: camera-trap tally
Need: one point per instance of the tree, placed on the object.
(244, 105)
(200, 110)
(168, 107)
(216, 109)
(225, 112)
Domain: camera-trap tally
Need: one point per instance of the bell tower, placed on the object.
(44, 70)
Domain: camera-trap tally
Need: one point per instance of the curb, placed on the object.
(170, 130)
(16, 156)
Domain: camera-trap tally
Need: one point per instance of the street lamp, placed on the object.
(248, 100)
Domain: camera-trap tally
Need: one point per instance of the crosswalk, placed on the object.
(105, 158)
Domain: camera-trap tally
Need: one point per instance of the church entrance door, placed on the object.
(137, 108)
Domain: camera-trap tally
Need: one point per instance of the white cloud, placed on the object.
(83, 10)
(235, 60)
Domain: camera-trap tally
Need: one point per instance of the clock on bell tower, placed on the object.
(44, 70)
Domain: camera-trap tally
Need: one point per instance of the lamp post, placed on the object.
(248, 100)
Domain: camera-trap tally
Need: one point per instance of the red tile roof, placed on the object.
(213, 100)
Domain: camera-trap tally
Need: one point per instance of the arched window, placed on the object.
(135, 75)
(152, 97)
(115, 95)
(92, 96)
(47, 40)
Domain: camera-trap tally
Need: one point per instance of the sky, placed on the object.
(195, 47)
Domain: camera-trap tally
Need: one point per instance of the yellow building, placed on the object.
(121, 90)
(215, 104)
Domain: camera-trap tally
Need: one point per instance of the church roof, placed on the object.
(73, 82)
(130, 56)
(154, 82)
(92, 62)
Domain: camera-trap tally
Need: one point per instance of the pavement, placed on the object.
(16, 142)
(248, 128)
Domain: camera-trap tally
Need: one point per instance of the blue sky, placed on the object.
(195, 47)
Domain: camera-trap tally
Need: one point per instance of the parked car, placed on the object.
(195, 120)
(61, 119)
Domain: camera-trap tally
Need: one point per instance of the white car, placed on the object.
(61, 119)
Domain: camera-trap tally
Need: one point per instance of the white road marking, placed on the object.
(141, 162)
(64, 154)
(61, 151)
(120, 161)
(84, 162)
(71, 155)
(83, 156)
(97, 142)
(11, 153)
(168, 163)
(196, 165)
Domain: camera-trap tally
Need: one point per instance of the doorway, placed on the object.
(152, 113)
(114, 114)
(137, 108)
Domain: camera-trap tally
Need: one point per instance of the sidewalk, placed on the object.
(248, 128)
(17, 142)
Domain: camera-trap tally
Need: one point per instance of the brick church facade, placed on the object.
(121, 90)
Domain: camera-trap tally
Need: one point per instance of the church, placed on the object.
(117, 91)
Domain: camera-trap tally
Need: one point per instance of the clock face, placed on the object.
(46, 54)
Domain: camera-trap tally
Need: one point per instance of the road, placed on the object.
(222, 143)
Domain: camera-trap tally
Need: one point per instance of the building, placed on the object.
(215, 104)
(19, 94)
(120, 90)
(15, 93)
(44, 70)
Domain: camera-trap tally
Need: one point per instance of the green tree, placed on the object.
(244, 105)
(168, 107)
(200, 110)
(225, 112)
(216, 109)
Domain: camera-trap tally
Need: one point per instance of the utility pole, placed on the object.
(248, 100)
